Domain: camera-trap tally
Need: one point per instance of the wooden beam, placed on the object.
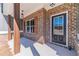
(9, 27)
(16, 28)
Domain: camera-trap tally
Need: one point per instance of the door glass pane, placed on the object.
(55, 21)
(58, 25)
(61, 25)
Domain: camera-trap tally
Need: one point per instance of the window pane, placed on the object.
(33, 28)
(28, 23)
(61, 22)
(27, 29)
(32, 25)
(32, 22)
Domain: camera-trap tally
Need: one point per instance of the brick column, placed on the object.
(36, 24)
(44, 25)
(16, 28)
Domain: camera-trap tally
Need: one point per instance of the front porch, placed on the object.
(37, 26)
(31, 48)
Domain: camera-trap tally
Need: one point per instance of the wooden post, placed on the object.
(9, 27)
(16, 28)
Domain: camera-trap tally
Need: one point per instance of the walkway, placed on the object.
(31, 48)
(5, 50)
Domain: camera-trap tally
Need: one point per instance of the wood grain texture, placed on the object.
(16, 28)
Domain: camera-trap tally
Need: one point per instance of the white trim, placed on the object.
(66, 28)
(6, 32)
(3, 32)
(19, 31)
(30, 26)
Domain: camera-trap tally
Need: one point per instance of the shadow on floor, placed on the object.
(27, 43)
(52, 49)
(61, 51)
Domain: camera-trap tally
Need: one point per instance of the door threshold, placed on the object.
(59, 44)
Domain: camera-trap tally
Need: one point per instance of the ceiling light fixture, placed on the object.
(52, 4)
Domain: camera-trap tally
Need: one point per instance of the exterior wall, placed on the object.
(45, 30)
(77, 28)
(39, 18)
(77, 17)
(71, 21)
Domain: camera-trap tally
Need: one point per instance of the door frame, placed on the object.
(66, 28)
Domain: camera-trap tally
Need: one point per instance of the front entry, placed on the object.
(59, 29)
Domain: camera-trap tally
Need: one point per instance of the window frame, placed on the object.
(30, 26)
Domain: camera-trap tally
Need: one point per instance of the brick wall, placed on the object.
(77, 17)
(39, 18)
(71, 21)
(43, 16)
(77, 27)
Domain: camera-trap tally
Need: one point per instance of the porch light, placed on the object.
(22, 21)
(52, 4)
(22, 14)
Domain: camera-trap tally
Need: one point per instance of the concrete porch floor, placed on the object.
(31, 48)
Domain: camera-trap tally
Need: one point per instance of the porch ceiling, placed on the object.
(32, 7)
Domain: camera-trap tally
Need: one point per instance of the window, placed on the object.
(30, 26)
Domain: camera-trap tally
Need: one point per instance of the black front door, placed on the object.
(59, 29)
